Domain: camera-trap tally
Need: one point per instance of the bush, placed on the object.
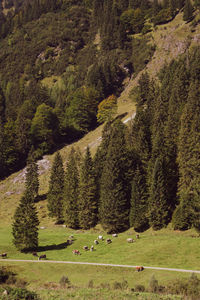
(105, 285)
(186, 287)
(120, 285)
(139, 288)
(6, 275)
(18, 294)
(153, 284)
(64, 282)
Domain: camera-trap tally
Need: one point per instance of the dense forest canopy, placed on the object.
(59, 59)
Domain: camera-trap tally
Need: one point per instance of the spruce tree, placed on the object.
(158, 201)
(32, 180)
(56, 186)
(25, 225)
(100, 158)
(188, 158)
(71, 192)
(114, 202)
(139, 205)
(87, 203)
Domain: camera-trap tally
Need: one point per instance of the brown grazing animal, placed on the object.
(139, 268)
(76, 252)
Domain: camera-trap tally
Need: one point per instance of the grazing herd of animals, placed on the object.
(85, 248)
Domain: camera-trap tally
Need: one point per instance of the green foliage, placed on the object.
(100, 158)
(64, 282)
(56, 187)
(87, 202)
(158, 200)
(23, 126)
(139, 204)
(81, 112)
(107, 109)
(185, 287)
(43, 128)
(165, 15)
(71, 191)
(142, 51)
(32, 180)
(14, 293)
(153, 284)
(114, 200)
(5, 274)
(25, 224)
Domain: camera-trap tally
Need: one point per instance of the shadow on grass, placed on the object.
(40, 198)
(52, 247)
(46, 248)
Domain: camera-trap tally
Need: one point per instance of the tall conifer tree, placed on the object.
(188, 158)
(56, 186)
(158, 202)
(87, 202)
(114, 203)
(71, 192)
(100, 158)
(139, 205)
(32, 180)
(25, 225)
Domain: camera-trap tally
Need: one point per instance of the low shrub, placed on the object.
(7, 276)
(120, 285)
(64, 282)
(139, 288)
(10, 293)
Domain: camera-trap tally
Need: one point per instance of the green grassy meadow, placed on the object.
(164, 248)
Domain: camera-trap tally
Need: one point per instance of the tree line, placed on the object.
(142, 175)
(40, 42)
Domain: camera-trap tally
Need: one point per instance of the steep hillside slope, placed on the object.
(170, 40)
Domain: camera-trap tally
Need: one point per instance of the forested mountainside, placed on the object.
(62, 66)
(60, 58)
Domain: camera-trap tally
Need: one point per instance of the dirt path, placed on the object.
(99, 264)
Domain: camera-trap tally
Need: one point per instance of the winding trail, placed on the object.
(98, 264)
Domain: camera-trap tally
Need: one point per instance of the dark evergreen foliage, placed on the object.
(158, 197)
(32, 180)
(114, 201)
(87, 202)
(56, 187)
(71, 192)
(25, 224)
(139, 202)
(100, 158)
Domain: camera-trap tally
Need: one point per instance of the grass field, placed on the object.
(165, 248)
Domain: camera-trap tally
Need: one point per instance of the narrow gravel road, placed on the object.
(98, 264)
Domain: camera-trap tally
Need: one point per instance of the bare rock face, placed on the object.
(43, 166)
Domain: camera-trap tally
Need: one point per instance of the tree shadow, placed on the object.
(40, 198)
(52, 247)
